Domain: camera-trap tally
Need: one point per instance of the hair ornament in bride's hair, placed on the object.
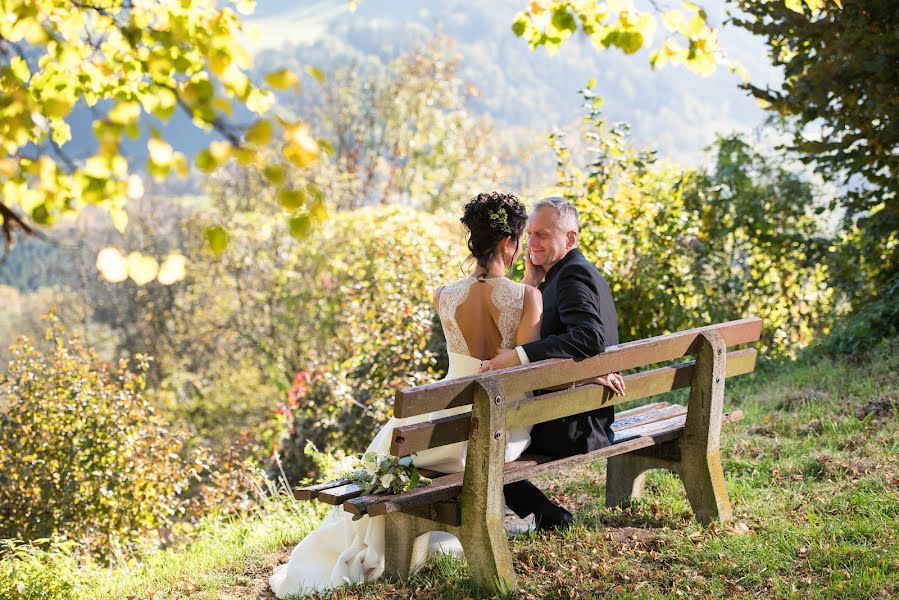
(491, 218)
(499, 219)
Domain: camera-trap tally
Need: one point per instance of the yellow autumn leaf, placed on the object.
(172, 269)
(119, 219)
(8, 166)
(134, 189)
(142, 268)
(317, 73)
(259, 133)
(112, 265)
(160, 151)
(220, 150)
(282, 79)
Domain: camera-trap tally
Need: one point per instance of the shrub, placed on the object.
(363, 288)
(82, 453)
(681, 247)
(866, 325)
(32, 572)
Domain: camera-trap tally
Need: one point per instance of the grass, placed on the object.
(813, 476)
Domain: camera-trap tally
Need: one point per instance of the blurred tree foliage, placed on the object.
(689, 39)
(839, 101)
(133, 65)
(404, 132)
(682, 247)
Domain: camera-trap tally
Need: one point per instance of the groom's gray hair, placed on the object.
(568, 218)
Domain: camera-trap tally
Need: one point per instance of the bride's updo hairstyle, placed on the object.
(490, 218)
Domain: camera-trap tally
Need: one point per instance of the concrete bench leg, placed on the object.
(626, 473)
(700, 466)
(405, 544)
(696, 457)
(482, 533)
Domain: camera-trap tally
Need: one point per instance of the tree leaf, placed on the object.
(216, 238)
(291, 199)
(172, 269)
(112, 265)
(142, 268)
(317, 73)
(282, 79)
(259, 133)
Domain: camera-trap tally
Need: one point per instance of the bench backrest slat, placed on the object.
(549, 373)
(409, 439)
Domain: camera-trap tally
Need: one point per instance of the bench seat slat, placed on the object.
(549, 373)
(449, 486)
(341, 494)
(338, 494)
(660, 414)
(312, 491)
(640, 409)
(409, 439)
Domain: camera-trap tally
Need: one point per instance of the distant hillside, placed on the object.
(671, 110)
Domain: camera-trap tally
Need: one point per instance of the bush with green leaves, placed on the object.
(682, 248)
(85, 456)
(361, 294)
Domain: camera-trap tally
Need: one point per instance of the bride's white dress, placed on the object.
(341, 550)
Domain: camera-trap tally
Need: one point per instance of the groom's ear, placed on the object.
(571, 240)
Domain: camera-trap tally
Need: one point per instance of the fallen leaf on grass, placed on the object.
(741, 528)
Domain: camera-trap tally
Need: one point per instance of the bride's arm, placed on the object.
(529, 325)
(437, 298)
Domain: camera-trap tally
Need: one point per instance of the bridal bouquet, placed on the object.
(379, 473)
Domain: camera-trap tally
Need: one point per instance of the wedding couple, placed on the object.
(562, 309)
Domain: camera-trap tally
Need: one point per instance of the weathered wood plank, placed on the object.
(310, 492)
(449, 486)
(660, 414)
(539, 409)
(639, 409)
(432, 434)
(550, 373)
(339, 495)
(442, 488)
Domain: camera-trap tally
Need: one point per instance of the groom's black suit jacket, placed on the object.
(579, 321)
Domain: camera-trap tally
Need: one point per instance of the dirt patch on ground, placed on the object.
(799, 399)
(637, 537)
(885, 406)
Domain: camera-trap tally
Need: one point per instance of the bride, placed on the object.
(480, 313)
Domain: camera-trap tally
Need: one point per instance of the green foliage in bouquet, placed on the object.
(379, 473)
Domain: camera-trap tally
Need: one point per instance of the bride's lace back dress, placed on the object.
(479, 317)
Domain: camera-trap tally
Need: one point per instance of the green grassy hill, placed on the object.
(813, 476)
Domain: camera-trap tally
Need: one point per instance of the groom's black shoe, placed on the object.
(551, 517)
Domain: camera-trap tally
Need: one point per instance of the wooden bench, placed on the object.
(660, 435)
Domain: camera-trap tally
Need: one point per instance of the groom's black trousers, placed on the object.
(559, 438)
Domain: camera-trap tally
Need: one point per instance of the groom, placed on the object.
(578, 322)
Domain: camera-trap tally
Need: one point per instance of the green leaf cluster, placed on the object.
(130, 64)
(838, 104)
(681, 247)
